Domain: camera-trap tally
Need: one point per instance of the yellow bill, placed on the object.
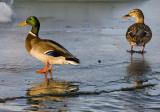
(23, 23)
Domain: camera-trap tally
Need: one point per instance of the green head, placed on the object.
(32, 21)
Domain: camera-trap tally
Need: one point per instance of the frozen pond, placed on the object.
(95, 33)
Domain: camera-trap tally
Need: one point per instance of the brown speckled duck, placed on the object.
(138, 34)
(47, 51)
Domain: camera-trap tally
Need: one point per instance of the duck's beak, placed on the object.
(126, 16)
(23, 23)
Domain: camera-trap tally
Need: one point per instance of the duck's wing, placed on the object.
(52, 48)
(56, 47)
(139, 33)
(139, 30)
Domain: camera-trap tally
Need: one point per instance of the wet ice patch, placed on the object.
(5, 12)
(12, 107)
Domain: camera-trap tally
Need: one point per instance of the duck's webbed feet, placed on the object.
(140, 52)
(131, 51)
(47, 69)
(43, 70)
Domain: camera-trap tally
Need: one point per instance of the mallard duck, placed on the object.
(138, 34)
(45, 50)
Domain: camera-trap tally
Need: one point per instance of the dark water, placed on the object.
(95, 33)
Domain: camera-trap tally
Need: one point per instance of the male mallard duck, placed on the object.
(47, 51)
(138, 34)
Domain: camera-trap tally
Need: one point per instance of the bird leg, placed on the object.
(131, 48)
(46, 77)
(142, 51)
(131, 51)
(44, 70)
(50, 71)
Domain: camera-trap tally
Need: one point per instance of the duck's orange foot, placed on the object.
(42, 71)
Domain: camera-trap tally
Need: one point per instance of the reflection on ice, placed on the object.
(137, 70)
(138, 66)
(47, 92)
(52, 87)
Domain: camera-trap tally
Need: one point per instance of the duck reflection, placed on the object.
(137, 70)
(50, 95)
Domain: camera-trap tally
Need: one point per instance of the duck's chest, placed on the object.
(28, 42)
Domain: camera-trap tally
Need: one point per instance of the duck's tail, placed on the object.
(73, 61)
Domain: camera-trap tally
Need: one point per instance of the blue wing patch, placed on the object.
(53, 53)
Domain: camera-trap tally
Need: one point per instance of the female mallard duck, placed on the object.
(138, 34)
(47, 51)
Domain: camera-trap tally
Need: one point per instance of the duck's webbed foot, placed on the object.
(139, 52)
(43, 70)
(131, 51)
(142, 51)
(47, 69)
